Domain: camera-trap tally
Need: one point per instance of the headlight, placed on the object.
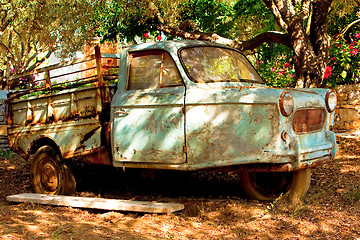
(330, 101)
(286, 104)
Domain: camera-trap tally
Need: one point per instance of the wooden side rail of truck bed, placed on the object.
(99, 69)
(62, 109)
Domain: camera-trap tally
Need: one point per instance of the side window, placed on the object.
(170, 74)
(152, 69)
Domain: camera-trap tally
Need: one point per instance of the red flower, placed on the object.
(344, 50)
(354, 52)
(338, 45)
(351, 47)
(357, 35)
(146, 35)
(287, 65)
(333, 58)
(327, 73)
(158, 38)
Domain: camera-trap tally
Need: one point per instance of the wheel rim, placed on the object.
(49, 175)
(269, 184)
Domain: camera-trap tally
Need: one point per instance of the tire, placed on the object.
(49, 175)
(270, 185)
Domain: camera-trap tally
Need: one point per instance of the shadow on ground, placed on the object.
(215, 208)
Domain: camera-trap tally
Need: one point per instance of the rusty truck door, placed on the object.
(148, 118)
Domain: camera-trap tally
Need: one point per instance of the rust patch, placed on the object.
(99, 157)
(286, 167)
(88, 135)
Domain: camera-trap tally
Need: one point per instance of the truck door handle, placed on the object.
(121, 112)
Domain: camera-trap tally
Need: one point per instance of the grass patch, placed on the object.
(352, 195)
(7, 154)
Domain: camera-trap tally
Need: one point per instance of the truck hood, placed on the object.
(253, 94)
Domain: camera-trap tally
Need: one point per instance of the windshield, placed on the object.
(215, 64)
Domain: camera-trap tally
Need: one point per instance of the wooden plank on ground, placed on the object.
(97, 203)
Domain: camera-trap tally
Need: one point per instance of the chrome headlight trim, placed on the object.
(330, 100)
(286, 103)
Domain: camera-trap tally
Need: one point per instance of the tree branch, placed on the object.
(5, 48)
(189, 23)
(267, 37)
(318, 29)
(39, 61)
(197, 35)
(153, 8)
(278, 17)
(306, 7)
(341, 34)
(7, 22)
(32, 57)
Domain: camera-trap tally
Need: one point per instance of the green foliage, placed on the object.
(170, 236)
(271, 58)
(32, 30)
(125, 20)
(352, 195)
(343, 67)
(255, 16)
(112, 71)
(251, 8)
(210, 15)
(342, 13)
(7, 154)
(274, 65)
(272, 204)
(56, 87)
(37, 27)
(122, 20)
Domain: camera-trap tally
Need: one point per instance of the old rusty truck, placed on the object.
(171, 105)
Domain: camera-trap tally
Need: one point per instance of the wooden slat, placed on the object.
(3, 129)
(97, 203)
(55, 66)
(99, 66)
(72, 73)
(110, 55)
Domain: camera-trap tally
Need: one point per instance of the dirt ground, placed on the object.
(214, 206)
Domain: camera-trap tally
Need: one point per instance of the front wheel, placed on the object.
(270, 185)
(49, 175)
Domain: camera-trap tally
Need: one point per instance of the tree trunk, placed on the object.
(311, 52)
(304, 57)
(320, 37)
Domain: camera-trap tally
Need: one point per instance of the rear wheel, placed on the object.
(49, 175)
(270, 185)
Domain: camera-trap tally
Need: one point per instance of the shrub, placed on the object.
(343, 66)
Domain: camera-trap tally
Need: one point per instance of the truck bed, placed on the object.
(71, 115)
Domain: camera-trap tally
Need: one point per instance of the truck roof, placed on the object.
(173, 45)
